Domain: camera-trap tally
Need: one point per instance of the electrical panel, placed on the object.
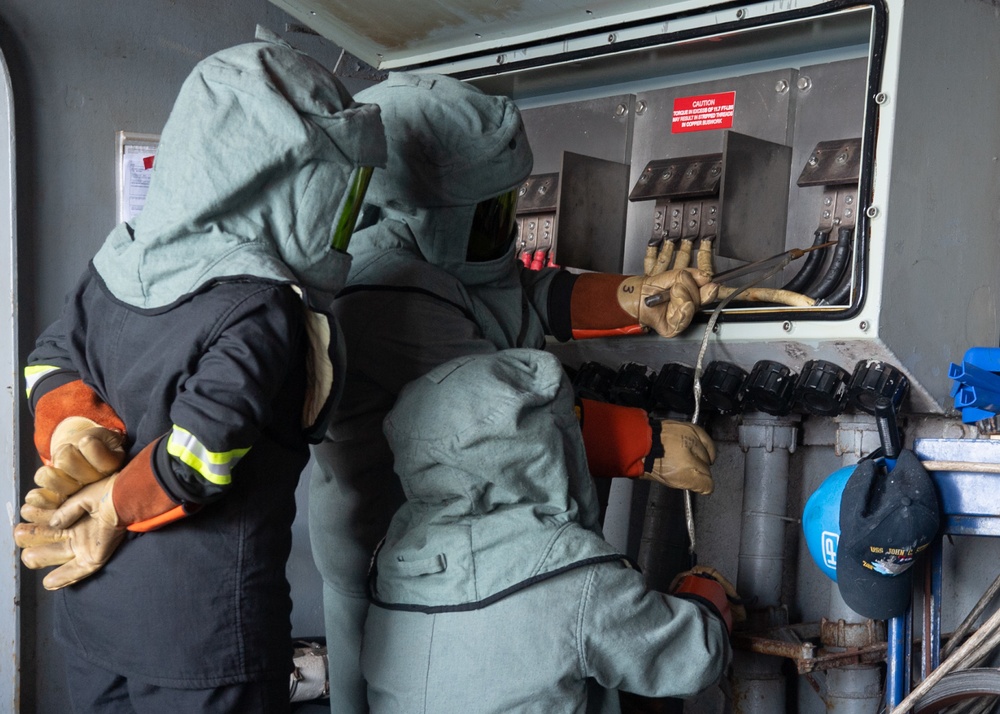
(719, 133)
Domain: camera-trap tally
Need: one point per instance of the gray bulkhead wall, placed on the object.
(80, 73)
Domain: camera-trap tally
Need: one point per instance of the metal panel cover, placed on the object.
(396, 33)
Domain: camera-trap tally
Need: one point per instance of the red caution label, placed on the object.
(147, 162)
(705, 112)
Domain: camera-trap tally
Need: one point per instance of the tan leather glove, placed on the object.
(687, 290)
(682, 458)
(82, 452)
(80, 538)
(732, 606)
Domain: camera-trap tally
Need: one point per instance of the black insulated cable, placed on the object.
(842, 294)
(810, 267)
(838, 265)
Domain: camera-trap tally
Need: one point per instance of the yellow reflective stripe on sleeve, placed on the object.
(213, 466)
(35, 372)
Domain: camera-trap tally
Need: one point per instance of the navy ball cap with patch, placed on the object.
(887, 520)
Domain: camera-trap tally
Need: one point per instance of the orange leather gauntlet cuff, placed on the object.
(71, 399)
(708, 591)
(141, 503)
(616, 438)
(594, 308)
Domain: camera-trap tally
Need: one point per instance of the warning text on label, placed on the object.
(705, 112)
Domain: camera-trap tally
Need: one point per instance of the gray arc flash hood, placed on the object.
(490, 455)
(250, 176)
(450, 146)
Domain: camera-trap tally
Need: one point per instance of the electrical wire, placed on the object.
(810, 267)
(838, 265)
(698, 368)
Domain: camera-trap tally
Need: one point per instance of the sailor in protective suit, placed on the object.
(494, 591)
(434, 277)
(196, 346)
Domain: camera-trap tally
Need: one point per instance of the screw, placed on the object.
(501, 59)
(863, 325)
(612, 37)
(620, 110)
(842, 158)
(676, 212)
(781, 86)
(848, 200)
(827, 201)
(523, 190)
(813, 160)
(786, 326)
(872, 211)
(826, 214)
(804, 83)
(640, 107)
(740, 14)
(881, 98)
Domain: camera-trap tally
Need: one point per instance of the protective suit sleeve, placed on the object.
(228, 399)
(645, 642)
(549, 290)
(617, 439)
(55, 391)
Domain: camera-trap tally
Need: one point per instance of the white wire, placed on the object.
(709, 328)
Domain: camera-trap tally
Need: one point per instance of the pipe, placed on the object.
(856, 689)
(767, 442)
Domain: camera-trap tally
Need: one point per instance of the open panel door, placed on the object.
(11, 390)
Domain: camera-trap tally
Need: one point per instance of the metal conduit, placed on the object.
(767, 443)
(854, 689)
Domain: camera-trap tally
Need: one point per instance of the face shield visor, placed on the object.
(343, 229)
(494, 228)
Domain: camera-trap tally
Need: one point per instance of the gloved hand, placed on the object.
(82, 452)
(81, 536)
(709, 585)
(687, 290)
(84, 441)
(681, 457)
